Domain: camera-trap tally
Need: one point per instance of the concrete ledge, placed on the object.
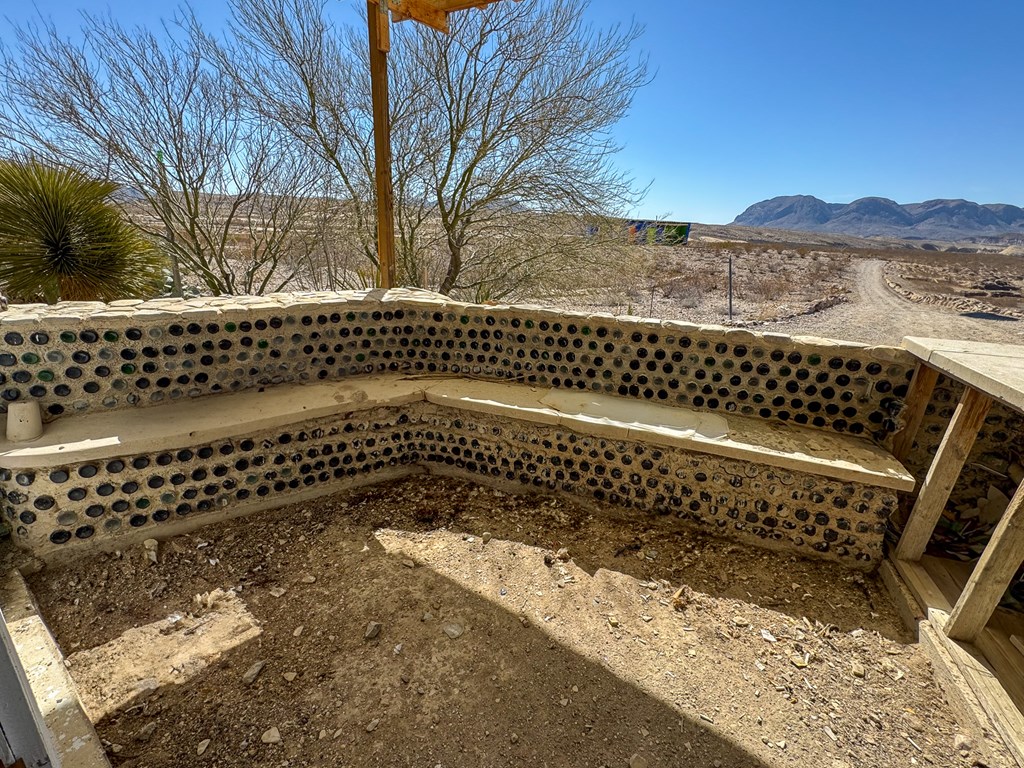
(79, 358)
(190, 422)
(995, 369)
(68, 735)
(108, 435)
(778, 445)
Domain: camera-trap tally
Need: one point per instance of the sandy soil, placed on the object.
(638, 645)
(874, 314)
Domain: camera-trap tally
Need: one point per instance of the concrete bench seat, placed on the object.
(115, 434)
(142, 472)
(737, 437)
(105, 436)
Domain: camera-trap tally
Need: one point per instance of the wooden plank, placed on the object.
(1017, 643)
(1008, 622)
(918, 397)
(960, 695)
(1006, 717)
(957, 572)
(995, 641)
(942, 578)
(922, 586)
(383, 29)
(376, 16)
(942, 475)
(996, 699)
(1005, 660)
(992, 575)
(906, 603)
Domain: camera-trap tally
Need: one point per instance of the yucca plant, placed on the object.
(63, 238)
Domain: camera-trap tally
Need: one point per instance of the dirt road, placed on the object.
(876, 315)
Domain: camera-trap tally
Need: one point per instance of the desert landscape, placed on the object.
(874, 291)
(438, 622)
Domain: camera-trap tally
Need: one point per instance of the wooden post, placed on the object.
(918, 397)
(942, 476)
(992, 575)
(377, 18)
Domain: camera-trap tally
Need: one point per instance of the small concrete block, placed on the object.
(734, 335)
(885, 354)
(113, 315)
(201, 313)
(14, 321)
(334, 300)
(680, 327)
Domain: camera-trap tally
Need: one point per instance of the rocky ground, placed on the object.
(432, 622)
(846, 293)
(691, 283)
(964, 288)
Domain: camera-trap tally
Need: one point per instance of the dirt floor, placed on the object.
(495, 647)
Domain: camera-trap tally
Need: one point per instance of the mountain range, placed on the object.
(878, 216)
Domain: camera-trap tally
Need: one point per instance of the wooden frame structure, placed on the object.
(962, 607)
(433, 13)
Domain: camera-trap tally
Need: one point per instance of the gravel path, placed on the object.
(876, 315)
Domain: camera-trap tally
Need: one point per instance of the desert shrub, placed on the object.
(63, 238)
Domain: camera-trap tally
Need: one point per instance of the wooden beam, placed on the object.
(377, 16)
(461, 5)
(942, 475)
(992, 575)
(993, 697)
(918, 397)
(383, 32)
(423, 11)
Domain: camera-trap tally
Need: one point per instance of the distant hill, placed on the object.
(880, 217)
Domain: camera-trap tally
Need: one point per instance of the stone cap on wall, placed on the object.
(80, 358)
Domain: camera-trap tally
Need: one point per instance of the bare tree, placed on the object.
(224, 189)
(308, 76)
(501, 133)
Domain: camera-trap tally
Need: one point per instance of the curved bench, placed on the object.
(109, 478)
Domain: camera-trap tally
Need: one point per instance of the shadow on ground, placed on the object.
(501, 652)
(988, 316)
(501, 692)
(643, 546)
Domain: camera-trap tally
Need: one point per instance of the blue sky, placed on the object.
(905, 99)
